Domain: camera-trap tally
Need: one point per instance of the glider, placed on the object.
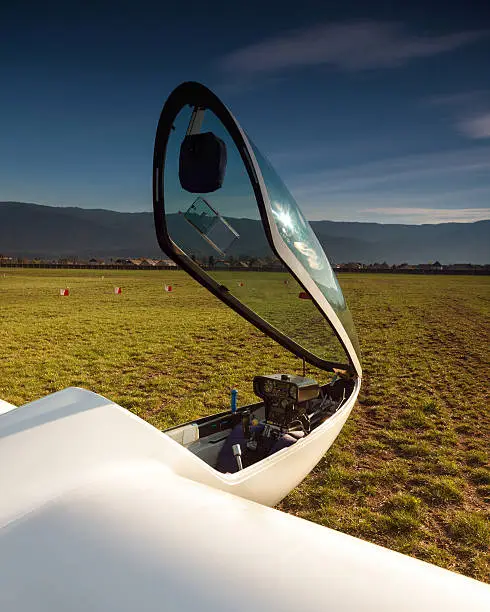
(101, 511)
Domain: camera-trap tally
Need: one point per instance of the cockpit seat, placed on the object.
(264, 447)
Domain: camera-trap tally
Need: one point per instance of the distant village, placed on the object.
(234, 263)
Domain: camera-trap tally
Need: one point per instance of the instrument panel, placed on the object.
(283, 395)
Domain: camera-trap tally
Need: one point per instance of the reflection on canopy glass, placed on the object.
(223, 229)
(214, 228)
(303, 243)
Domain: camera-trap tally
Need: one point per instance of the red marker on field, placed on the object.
(117, 290)
(304, 295)
(168, 288)
(64, 292)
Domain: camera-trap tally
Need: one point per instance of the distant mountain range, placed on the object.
(32, 230)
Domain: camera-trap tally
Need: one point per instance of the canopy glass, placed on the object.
(248, 241)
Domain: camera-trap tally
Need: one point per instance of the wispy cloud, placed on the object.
(428, 215)
(477, 126)
(395, 208)
(461, 99)
(423, 188)
(350, 46)
(470, 112)
(382, 174)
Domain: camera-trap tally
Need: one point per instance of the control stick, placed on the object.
(246, 423)
(237, 453)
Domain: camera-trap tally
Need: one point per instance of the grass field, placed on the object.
(410, 470)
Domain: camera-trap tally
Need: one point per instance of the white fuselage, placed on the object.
(100, 511)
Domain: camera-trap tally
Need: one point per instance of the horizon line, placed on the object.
(139, 212)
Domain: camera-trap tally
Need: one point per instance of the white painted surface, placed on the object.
(101, 511)
(185, 435)
(134, 536)
(5, 407)
(73, 430)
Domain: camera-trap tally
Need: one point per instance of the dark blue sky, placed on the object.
(369, 111)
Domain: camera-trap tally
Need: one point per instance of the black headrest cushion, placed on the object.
(202, 163)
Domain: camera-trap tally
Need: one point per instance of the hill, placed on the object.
(32, 230)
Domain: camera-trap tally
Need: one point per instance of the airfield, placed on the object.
(410, 468)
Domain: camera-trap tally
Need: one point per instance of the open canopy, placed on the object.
(219, 205)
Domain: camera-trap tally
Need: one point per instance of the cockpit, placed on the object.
(292, 407)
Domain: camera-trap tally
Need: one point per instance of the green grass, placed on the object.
(471, 529)
(410, 468)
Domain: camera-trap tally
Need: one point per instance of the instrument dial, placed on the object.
(268, 386)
